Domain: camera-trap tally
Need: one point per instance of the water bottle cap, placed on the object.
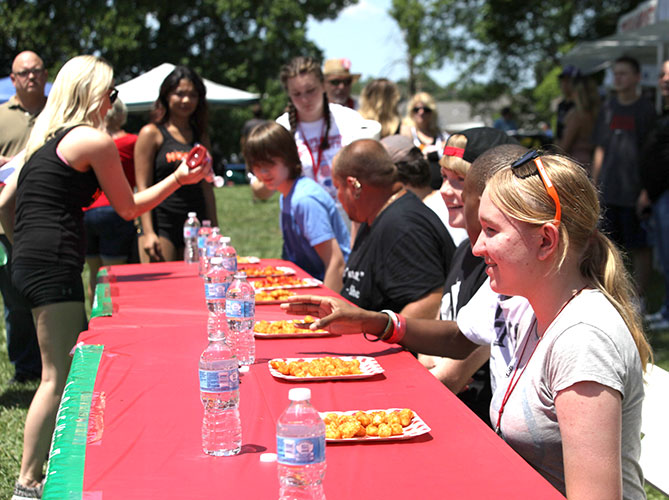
(240, 274)
(299, 394)
(225, 239)
(268, 457)
(191, 214)
(206, 223)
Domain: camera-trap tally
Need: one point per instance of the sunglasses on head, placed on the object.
(113, 95)
(425, 109)
(533, 155)
(340, 81)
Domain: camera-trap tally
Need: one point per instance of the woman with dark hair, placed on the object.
(178, 122)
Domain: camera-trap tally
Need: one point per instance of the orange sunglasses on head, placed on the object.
(550, 188)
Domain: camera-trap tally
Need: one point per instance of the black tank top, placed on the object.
(170, 154)
(50, 194)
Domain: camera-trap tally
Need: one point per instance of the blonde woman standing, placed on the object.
(68, 160)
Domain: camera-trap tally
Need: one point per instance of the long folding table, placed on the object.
(129, 426)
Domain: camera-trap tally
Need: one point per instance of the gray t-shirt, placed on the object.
(588, 341)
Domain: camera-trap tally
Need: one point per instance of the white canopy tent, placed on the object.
(642, 33)
(141, 92)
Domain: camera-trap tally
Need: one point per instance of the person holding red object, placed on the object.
(68, 161)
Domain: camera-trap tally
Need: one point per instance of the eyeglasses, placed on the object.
(113, 95)
(425, 109)
(550, 188)
(26, 72)
(336, 82)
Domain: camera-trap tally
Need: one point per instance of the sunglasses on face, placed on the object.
(424, 109)
(336, 82)
(113, 94)
(26, 72)
(550, 188)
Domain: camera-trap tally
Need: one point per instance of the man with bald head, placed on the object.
(402, 251)
(17, 117)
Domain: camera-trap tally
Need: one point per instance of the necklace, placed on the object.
(514, 380)
(390, 200)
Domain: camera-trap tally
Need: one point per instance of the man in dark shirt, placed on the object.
(621, 129)
(402, 251)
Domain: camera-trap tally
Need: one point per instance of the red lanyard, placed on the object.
(513, 383)
(316, 165)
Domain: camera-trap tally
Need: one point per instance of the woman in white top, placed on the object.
(569, 401)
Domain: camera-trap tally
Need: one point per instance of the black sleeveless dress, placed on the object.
(49, 237)
(170, 215)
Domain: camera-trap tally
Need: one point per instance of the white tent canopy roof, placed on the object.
(140, 93)
(642, 33)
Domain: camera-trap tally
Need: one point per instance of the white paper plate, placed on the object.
(248, 260)
(417, 427)
(306, 283)
(368, 366)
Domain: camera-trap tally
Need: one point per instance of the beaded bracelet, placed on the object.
(386, 330)
(399, 330)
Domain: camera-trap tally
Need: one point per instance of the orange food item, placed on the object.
(284, 326)
(278, 281)
(263, 271)
(372, 424)
(318, 367)
(272, 295)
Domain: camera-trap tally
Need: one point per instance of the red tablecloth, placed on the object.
(147, 443)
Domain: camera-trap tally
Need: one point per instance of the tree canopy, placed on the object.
(241, 43)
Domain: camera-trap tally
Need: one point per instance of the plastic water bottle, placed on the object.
(210, 248)
(216, 283)
(202, 234)
(240, 310)
(219, 392)
(191, 228)
(229, 255)
(300, 446)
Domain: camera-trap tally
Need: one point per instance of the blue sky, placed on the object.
(371, 39)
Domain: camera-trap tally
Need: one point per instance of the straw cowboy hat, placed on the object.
(339, 67)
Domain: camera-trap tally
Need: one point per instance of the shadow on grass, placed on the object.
(17, 396)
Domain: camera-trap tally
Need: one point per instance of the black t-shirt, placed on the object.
(655, 159)
(404, 255)
(563, 108)
(50, 196)
(466, 277)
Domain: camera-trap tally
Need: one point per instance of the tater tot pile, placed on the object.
(367, 424)
(271, 295)
(278, 281)
(319, 367)
(284, 326)
(263, 271)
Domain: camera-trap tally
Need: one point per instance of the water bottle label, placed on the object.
(300, 451)
(240, 308)
(230, 264)
(201, 240)
(190, 232)
(219, 380)
(211, 250)
(215, 290)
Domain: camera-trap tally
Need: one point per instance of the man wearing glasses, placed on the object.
(338, 82)
(17, 117)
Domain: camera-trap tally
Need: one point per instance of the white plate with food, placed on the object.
(286, 329)
(325, 368)
(277, 296)
(369, 426)
(286, 282)
(267, 271)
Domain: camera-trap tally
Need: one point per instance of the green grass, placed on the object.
(254, 230)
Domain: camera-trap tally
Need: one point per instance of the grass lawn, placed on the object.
(254, 230)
